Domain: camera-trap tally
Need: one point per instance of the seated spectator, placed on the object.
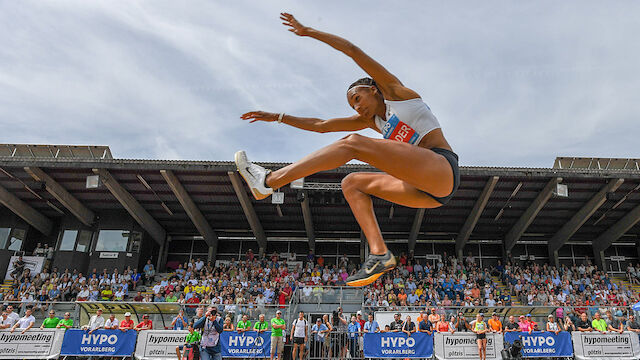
(145, 324)
(25, 323)
(50, 322)
(190, 340)
(127, 323)
(66, 322)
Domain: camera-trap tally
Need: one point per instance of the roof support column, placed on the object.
(249, 211)
(474, 216)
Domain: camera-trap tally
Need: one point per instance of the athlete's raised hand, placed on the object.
(259, 116)
(294, 25)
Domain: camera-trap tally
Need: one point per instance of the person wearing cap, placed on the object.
(180, 321)
(552, 325)
(616, 324)
(278, 326)
(145, 324)
(481, 329)
(494, 323)
(111, 323)
(127, 323)
(318, 334)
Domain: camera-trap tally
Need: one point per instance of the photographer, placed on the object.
(211, 325)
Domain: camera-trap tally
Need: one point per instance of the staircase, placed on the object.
(504, 289)
(6, 286)
(621, 280)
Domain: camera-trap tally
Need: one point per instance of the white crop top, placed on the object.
(407, 121)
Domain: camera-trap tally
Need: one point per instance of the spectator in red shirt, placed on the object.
(145, 324)
(127, 323)
(250, 255)
(138, 297)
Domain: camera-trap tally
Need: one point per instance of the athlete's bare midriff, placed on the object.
(435, 139)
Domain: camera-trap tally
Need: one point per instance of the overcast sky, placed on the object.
(513, 83)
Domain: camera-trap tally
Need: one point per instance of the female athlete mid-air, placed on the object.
(419, 168)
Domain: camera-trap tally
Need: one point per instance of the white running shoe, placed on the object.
(254, 175)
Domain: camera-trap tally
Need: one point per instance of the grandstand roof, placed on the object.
(208, 183)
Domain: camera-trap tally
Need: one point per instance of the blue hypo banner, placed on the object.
(246, 345)
(542, 344)
(398, 345)
(99, 343)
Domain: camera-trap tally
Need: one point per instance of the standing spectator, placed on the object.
(425, 326)
(6, 322)
(552, 325)
(396, 324)
(244, 324)
(228, 325)
(180, 321)
(512, 325)
(95, 322)
(617, 323)
(318, 333)
(261, 325)
(632, 324)
(408, 327)
(371, 326)
(461, 325)
(127, 323)
(25, 323)
(299, 334)
(598, 323)
(568, 325)
(433, 316)
(66, 322)
(149, 273)
(354, 334)
(583, 324)
(111, 323)
(145, 324)
(50, 322)
(495, 325)
(12, 315)
(278, 325)
(211, 325)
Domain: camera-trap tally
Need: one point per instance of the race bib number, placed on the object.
(394, 129)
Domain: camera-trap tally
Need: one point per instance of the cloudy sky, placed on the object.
(513, 83)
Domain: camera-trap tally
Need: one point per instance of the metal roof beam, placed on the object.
(249, 211)
(415, 229)
(579, 218)
(602, 242)
(196, 216)
(529, 215)
(84, 214)
(474, 216)
(308, 222)
(133, 207)
(32, 216)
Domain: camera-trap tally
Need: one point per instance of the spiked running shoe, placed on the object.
(254, 175)
(373, 268)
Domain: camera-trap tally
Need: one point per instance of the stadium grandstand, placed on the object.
(82, 232)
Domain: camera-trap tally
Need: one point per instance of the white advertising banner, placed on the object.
(597, 346)
(33, 344)
(159, 344)
(463, 346)
(33, 263)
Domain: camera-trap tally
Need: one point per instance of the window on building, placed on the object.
(84, 240)
(68, 241)
(114, 240)
(4, 236)
(15, 239)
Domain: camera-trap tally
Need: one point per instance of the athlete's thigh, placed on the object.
(415, 165)
(392, 189)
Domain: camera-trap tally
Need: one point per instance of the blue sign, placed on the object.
(99, 343)
(398, 345)
(248, 344)
(542, 344)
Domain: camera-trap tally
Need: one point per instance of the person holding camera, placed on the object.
(211, 325)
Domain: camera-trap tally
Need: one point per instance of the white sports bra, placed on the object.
(407, 121)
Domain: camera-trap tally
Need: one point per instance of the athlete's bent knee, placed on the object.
(351, 183)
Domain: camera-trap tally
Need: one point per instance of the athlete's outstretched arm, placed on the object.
(351, 123)
(390, 85)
